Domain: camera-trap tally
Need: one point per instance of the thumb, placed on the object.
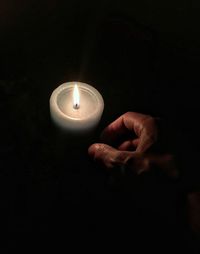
(109, 156)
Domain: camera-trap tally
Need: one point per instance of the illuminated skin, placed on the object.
(133, 153)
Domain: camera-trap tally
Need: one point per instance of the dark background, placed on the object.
(142, 56)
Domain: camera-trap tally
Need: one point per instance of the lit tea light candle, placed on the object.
(76, 106)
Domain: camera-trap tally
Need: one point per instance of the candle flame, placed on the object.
(76, 97)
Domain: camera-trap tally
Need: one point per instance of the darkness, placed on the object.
(142, 57)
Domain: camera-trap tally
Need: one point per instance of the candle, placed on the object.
(76, 107)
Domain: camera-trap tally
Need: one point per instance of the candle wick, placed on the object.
(76, 106)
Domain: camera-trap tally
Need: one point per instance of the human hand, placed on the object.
(119, 150)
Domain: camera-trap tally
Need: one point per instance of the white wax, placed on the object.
(83, 118)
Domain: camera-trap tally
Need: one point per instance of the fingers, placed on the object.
(129, 145)
(143, 126)
(147, 139)
(107, 155)
(133, 161)
(111, 158)
(129, 121)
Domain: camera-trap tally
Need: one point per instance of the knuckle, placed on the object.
(129, 114)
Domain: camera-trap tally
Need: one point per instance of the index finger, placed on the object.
(128, 122)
